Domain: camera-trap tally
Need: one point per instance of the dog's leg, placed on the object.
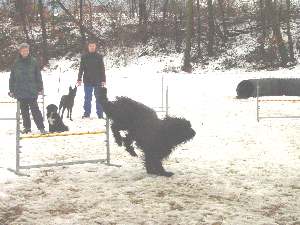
(153, 164)
(62, 113)
(128, 141)
(71, 114)
(60, 107)
(116, 133)
(68, 112)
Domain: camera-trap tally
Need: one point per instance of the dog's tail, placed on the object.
(102, 97)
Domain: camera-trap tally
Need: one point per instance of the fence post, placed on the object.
(257, 100)
(43, 96)
(167, 101)
(18, 137)
(107, 142)
(162, 93)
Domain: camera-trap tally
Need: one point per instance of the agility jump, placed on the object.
(17, 170)
(19, 167)
(258, 106)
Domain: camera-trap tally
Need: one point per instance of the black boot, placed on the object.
(25, 131)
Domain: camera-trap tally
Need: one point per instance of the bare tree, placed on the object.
(90, 13)
(275, 24)
(199, 31)
(20, 8)
(82, 32)
(187, 67)
(44, 33)
(288, 25)
(143, 20)
(165, 8)
(224, 25)
(211, 29)
(262, 37)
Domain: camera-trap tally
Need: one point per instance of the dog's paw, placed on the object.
(163, 173)
(131, 151)
(167, 174)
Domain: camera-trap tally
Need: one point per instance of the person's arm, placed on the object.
(102, 72)
(38, 78)
(11, 83)
(81, 70)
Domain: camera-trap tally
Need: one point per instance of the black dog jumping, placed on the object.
(155, 137)
(67, 102)
(55, 122)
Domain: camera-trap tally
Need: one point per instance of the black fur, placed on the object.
(67, 102)
(155, 137)
(55, 122)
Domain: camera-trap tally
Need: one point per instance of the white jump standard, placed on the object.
(18, 147)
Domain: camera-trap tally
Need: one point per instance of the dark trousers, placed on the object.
(25, 105)
(88, 93)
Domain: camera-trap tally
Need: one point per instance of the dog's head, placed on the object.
(72, 91)
(51, 108)
(177, 131)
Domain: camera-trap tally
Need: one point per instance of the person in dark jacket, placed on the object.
(93, 72)
(25, 84)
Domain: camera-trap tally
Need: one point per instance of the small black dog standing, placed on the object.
(67, 102)
(55, 122)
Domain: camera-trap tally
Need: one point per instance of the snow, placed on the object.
(235, 171)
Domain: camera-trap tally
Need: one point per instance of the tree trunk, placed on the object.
(187, 67)
(224, 25)
(20, 7)
(288, 25)
(198, 31)
(143, 21)
(274, 18)
(131, 9)
(75, 8)
(262, 37)
(83, 38)
(211, 29)
(44, 34)
(177, 35)
(90, 14)
(165, 9)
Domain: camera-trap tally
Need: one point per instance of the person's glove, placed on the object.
(10, 94)
(40, 92)
(102, 84)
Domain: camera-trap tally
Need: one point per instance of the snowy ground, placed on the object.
(235, 171)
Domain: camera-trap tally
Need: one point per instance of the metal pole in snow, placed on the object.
(18, 137)
(257, 100)
(162, 93)
(43, 96)
(107, 142)
(167, 101)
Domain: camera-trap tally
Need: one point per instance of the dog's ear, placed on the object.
(70, 89)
